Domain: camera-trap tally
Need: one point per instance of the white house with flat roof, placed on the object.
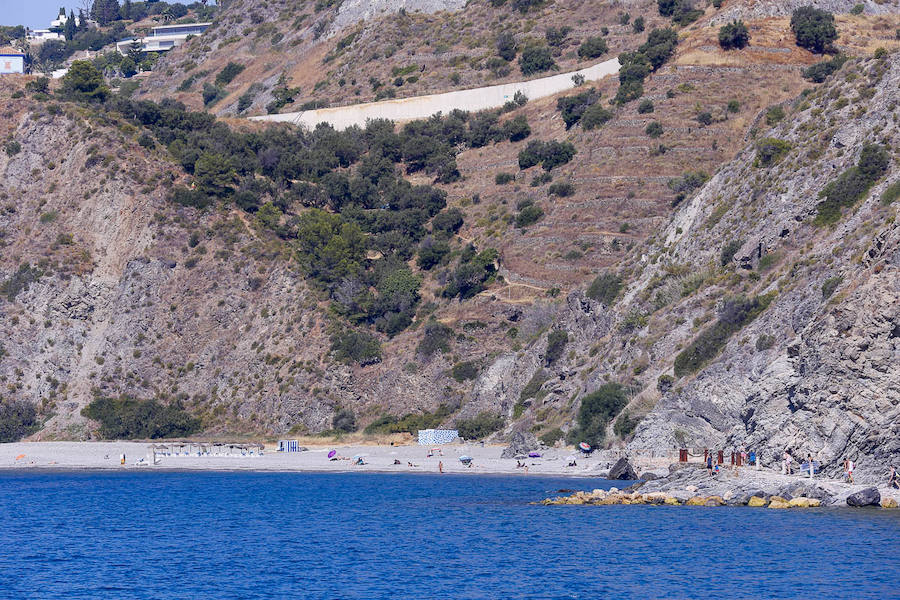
(163, 37)
(11, 61)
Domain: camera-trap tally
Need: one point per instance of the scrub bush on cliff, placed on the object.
(596, 411)
(813, 28)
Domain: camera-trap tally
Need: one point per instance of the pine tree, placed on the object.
(126, 10)
(105, 11)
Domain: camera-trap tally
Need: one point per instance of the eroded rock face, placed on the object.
(521, 442)
(622, 470)
(867, 497)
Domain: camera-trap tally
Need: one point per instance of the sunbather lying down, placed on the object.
(334, 458)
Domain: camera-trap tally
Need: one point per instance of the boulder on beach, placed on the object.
(622, 470)
(867, 497)
(756, 501)
(521, 442)
(889, 503)
(778, 502)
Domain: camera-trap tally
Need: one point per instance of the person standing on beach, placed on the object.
(892, 482)
(441, 466)
(709, 463)
(810, 463)
(850, 470)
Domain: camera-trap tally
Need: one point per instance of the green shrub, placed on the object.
(12, 147)
(891, 193)
(475, 269)
(556, 345)
(563, 189)
(548, 154)
(18, 419)
(529, 215)
(534, 385)
(645, 106)
(228, 73)
(735, 314)
(350, 346)
(593, 47)
(344, 420)
(596, 411)
(704, 118)
(625, 424)
(664, 383)
(728, 252)
(654, 129)
(734, 36)
(536, 59)
(813, 28)
(448, 222)
(463, 371)
(84, 83)
(572, 107)
(436, 338)
(830, 285)
(774, 115)
(506, 46)
(556, 36)
(857, 9)
(733, 106)
(411, 423)
(637, 26)
(764, 342)
(680, 11)
(504, 178)
(605, 288)
(129, 418)
(516, 129)
(212, 94)
(19, 281)
(482, 425)
(820, 71)
(686, 184)
(853, 184)
(770, 151)
(595, 116)
(552, 436)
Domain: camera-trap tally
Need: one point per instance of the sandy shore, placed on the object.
(486, 459)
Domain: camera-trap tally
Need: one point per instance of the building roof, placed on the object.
(10, 51)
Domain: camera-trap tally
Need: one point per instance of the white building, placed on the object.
(39, 36)
(11, 61)
(162, 38)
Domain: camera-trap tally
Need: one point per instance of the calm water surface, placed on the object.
(369, 536)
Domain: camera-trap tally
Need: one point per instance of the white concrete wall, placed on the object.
(12, 64)
(419, 107)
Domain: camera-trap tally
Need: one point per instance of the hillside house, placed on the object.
(162, 38)
(11, 61)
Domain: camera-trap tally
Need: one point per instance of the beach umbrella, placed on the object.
(584, 447)
(20, 457)
(332, 453)
(534, 455)
(465, 459)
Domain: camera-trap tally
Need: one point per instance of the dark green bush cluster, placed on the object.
(534, 385)
(645, 106)
(681, 12)
(636, 66)
(605, 288)
(529, 214)
(593, 47)
(853, 184)
(728, 252)
(228, 73)
(734, 36)
(128, 418)
(548, 154)
(474, 270)
(410, 423)
(830, 285)
(351, 346)
(556, 345)
(595, 116)
(683, 186)
(18, 419)
(19, 281)
(734, 314)
(344, 421)
(552, 436)
(769, 151)
(891, 193)
(504, 178)
(625, 424)
(536, 59)
(572, 107)
(436, 338)
(482, 425)
(813, 28)
(596, 411)
(563, 189)
(820, 71)
(463, 371)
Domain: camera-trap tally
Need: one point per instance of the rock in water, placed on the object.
(867, 497)
(622, 470)
(521, 442)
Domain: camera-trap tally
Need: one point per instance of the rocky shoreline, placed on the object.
(691, 485)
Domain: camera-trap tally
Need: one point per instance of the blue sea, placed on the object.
(242, 535)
